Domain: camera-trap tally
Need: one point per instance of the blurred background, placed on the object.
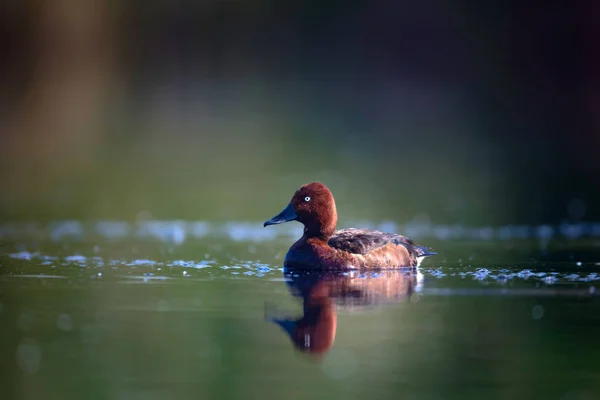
(452, 111)
(483, 115)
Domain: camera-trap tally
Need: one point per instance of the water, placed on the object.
(177, 310)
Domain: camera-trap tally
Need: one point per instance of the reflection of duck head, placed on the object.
(323, 292)
(315, 332)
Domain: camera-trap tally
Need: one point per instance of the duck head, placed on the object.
(313, 206)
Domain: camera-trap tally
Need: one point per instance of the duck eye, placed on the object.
(307, 198)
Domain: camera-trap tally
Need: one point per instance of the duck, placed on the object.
(323, 247)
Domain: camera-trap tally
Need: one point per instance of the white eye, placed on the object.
(307, 198)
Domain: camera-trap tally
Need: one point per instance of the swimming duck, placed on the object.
(322, 247)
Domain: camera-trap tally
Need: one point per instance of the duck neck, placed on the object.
(321, 225)
(321, 230)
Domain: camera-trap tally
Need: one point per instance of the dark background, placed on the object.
(453, 111)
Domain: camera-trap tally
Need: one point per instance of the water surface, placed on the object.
(160, 312)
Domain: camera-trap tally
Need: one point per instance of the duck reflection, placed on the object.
(324, 293)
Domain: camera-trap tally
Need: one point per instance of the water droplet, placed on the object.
(537, 312)
(64, 322)
(29, 355)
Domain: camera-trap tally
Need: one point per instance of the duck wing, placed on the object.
(363, 241)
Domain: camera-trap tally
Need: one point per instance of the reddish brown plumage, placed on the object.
(322, 247)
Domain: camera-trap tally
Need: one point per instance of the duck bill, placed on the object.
(288, 214)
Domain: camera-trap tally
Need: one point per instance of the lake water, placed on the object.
(171, 311)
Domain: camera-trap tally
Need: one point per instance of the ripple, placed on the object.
(77, 258)
(147, 278)
(23, 255)
(504, 275)
(141, 262)
(191, 264)
(38, 276)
